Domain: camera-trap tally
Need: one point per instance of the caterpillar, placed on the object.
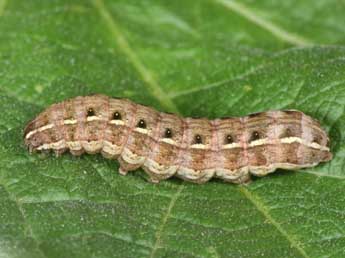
(164, 144)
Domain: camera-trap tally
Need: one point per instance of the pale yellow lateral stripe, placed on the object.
(142, 130)
(70, 121)
(168, 140)
(199, 146)
(231, 146)
(39, 130)
(303, 142)
(94, 118)
(260, 142)
(116, 122)
(65, 122)
(289, 140)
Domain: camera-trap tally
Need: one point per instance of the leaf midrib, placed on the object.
(159, 93)
(121, 41)
(2, 6)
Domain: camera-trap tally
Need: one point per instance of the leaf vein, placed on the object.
(117, 236)
(27, 226)
(121, 41)
(2, 6)
(269, 26)
(209, 226)
(221, 83)
(265, 212)
(165, 218)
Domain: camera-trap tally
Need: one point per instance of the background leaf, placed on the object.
(199, 58)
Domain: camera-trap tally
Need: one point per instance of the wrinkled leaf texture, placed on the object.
(198, 58)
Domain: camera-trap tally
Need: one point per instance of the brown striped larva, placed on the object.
(165, 144)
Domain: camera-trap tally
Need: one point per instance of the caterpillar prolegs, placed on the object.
(164, 145)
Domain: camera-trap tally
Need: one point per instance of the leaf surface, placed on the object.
(196, 58)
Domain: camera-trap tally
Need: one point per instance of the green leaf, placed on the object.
(197, 58)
